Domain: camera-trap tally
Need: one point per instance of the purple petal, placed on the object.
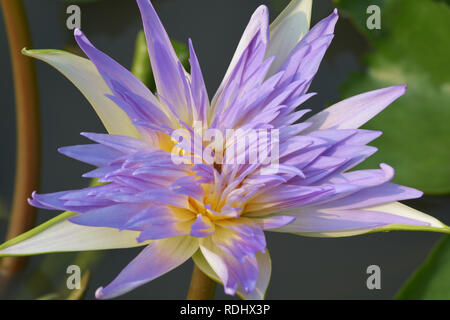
(248, 56)
(136, 106)
(231, 271)
(355, 111)
(170, 80)
(322, 28)
(384, 193)
(189, 186)
(198, 88)
(304, 60)
(240, 238)
(274, 222)
(343, 220)
(120, 143)
(158, 258)
(202, 227)
(115, 216)
(111, 70)
(164, 230)
(95, 154)
(80, 201)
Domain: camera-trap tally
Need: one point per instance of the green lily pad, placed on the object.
(410, 48)
(432, 280)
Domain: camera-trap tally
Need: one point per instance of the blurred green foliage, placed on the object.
(76, 294)
(432, 279)
(48, 279)
(411, 48)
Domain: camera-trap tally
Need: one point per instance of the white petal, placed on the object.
(399, 209)
(287, 30)
(60, 235)
(209, 257)
(315, 223)
(83, 74)
(264, 273)
(204, 258)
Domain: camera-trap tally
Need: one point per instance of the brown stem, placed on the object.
(28, 128)
(202, 287)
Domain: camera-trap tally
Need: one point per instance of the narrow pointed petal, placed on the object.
(137, 107)
(303, 61)
(95, 154)
(120, 143)
(353, 112)
(158, 258)
(61, 235)
(84, 75)
(257, 26)
(258, 23)
(377, 195)
(111, 70)
(322, 28)
(165, 64)
(198, 88)
(287, 30)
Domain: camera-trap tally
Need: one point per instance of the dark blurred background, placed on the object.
(303, 268)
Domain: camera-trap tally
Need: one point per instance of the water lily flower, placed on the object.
(217, 213)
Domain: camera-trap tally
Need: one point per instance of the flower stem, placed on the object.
(202, 287)
(27, 126)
